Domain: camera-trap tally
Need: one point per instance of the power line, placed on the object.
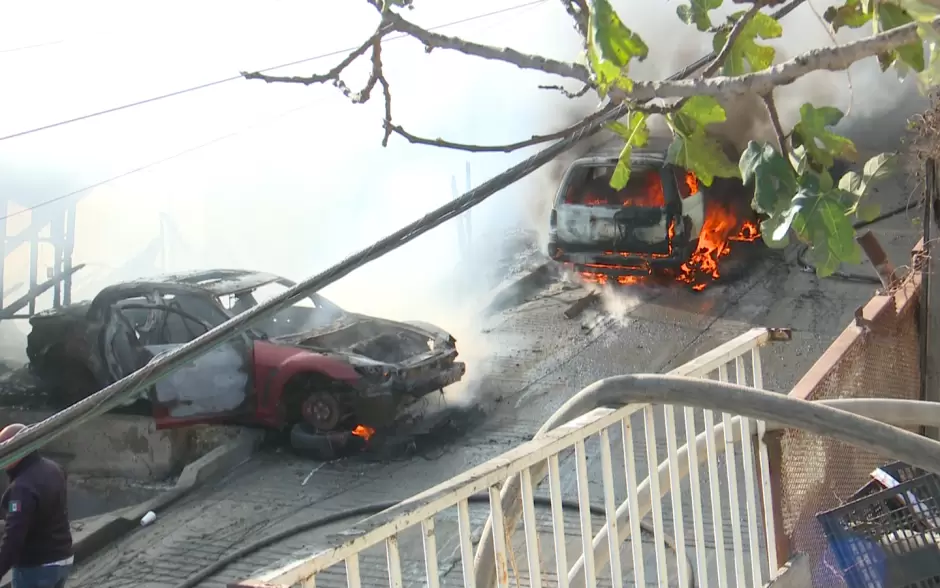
(33, 46)
(156, 163)
(267, 69)
(234, 133)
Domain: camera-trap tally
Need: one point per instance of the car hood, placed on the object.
(372, 339)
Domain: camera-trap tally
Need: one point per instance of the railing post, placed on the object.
(773, 441)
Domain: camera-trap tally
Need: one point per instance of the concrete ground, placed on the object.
(539, 359)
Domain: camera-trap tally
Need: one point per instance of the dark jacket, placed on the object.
(37, 518)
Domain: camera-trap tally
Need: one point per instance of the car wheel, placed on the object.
(324, 446)
(307, 440)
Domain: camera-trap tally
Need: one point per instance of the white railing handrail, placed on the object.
(814, 417)
(700, 366)
(894, 412)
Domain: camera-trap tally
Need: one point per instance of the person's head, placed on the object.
(7, 433)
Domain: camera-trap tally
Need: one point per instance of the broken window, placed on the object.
(309, 313)
(591, 187)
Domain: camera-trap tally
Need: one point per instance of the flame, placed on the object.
(692, 182)
(721, 226)
(363, 431)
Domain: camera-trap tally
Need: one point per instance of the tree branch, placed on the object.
(567, 93)
(762, 82)
(333, 74)
(506, 55)
(534, 140)
(579, 11)
(778, 128)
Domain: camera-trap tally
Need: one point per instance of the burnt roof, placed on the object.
(217, 281)
(612, 148)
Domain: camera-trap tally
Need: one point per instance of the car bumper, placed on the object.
(423, 382)
(622, 264)
(380, 404)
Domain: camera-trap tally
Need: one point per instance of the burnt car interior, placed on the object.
(309, 313)
(141, 327)
(590, 186)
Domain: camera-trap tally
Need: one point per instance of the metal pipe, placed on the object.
(783, 410)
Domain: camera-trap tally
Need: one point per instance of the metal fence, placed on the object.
(610, 455)
(878, 356)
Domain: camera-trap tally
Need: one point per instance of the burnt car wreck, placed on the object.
(663, 223)
(328, 375)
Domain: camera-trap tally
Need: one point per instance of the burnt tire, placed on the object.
(311, 443)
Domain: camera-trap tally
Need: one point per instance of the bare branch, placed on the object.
(386, 91)
(762, 82)
(778, 128)
(333, 74)
(578, 10)
(568, 94)
(534, 140)
(736, 31)
(506, 55)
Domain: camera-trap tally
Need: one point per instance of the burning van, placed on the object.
(659, 223)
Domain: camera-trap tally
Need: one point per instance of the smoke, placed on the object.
(295, 193)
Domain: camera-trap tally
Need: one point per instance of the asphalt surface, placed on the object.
(538, 359)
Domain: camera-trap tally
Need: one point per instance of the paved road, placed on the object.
(540, 359)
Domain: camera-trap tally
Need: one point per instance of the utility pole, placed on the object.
(464, 230)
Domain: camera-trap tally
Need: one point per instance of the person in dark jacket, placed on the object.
(37, 541)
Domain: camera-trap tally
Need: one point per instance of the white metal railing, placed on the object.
(532, 460)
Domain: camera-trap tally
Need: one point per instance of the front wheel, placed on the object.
(324, 446)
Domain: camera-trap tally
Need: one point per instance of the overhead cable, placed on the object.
(226, 80)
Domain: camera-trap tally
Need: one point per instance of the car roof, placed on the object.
(655, 148)
(220, 282)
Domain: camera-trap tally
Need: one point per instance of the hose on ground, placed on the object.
(370, 509)
(850, 276)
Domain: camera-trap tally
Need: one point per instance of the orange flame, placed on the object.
(692, 182)
(721, 226)
(363, 431)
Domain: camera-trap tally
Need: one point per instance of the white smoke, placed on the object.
(295, 193)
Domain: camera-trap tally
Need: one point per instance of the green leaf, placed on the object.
(852, 14)
(622, 172)
(759, 57)
(876, 169)
(696, 11)
(791, 216)
(821, 144)
(774, 181)
(612, 45)
(615, 41)
(852, 182)
(635, 133)
(702, 155)
(822, 221)
(768, 228)
(868, 211)
(704, 110)
(890, 16)
(880, 167)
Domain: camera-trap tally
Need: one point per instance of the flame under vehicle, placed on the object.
(659, 223)
(327, 374)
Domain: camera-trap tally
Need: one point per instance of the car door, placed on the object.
(216, 386)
